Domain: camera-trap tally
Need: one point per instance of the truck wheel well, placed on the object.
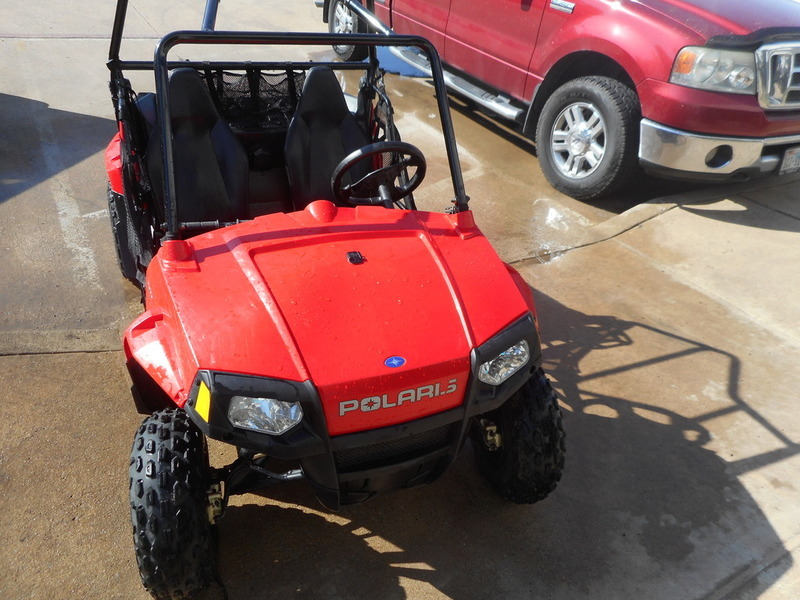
(370, 5)
(579, 64)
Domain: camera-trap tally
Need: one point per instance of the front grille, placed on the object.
(779, 75)
(392, 452)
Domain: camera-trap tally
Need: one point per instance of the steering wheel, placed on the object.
(379, 187)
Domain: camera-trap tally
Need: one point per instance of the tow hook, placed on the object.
(216, 502)
(491, 436)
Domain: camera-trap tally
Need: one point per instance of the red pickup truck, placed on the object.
(698, 89)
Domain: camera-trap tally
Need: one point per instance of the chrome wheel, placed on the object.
(578, 140)
(344, 21)
(588, 137)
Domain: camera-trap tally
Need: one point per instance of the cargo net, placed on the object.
(256, 100)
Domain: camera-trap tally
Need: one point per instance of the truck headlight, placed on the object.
(266, 415)
(505, 364)
(717, 70)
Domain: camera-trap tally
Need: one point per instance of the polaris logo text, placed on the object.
(370, 403)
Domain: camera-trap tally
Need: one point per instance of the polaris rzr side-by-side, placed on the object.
(299, 303)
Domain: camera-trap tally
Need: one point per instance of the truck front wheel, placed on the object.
(587, 137)
(519, 447)
(343, 20)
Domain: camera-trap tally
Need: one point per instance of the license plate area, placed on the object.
(791, 161)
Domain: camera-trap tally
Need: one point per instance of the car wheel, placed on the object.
(172, 534)
(587, 137)
(343, 20)
(519, 447)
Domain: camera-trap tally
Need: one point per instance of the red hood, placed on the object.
(740, 16)
(286, 296)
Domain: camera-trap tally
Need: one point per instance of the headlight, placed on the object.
(505, 364)
(266, 415)
(717, 70)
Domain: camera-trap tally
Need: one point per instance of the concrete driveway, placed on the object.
(671, 327)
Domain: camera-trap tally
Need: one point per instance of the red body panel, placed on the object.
(427, 18)
(278, 297)
(738, 17)
(113, 161)
(493, 41)
(700, 111)
(494, 45)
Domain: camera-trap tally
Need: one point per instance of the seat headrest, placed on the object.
(322, 93)
(189, 97)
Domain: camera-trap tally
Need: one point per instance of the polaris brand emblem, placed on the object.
(370, 403)
(395, 362)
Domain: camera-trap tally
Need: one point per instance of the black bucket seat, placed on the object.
(211, 165)
(322, 132)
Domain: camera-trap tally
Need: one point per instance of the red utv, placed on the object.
(298, 304)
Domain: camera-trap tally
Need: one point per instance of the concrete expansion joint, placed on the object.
(782, 213)
(56, 342)
(4, 353)
(746, 579)
(604, 232)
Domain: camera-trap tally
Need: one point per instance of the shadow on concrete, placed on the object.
(772, 217)
(644, 509)
(692, 509)
(37, 142)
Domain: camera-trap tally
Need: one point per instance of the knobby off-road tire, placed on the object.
(587, 137)
(120, 228)
(168, 483)
(528, 464)
(342, 20)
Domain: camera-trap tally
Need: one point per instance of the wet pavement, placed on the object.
(670, 322)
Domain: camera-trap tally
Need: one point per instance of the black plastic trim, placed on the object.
(310, 443)
(485, 397)
(302, 440)
(740, 175)
(479, 398)
(753, 40)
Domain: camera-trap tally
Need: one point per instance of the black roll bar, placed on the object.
(176, 38)
(209, 36)
(209, 22)
(116, 31)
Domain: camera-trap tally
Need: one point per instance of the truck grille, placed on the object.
(392, 452)
(779, 75)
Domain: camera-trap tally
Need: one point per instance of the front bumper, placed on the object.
(667, 151)
(350, 468)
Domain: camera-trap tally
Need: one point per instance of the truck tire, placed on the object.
(587, 137)
(342, 20)
(169, 476)
(527, 463)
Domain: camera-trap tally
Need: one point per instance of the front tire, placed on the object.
(169, 478)
(342, 20)
(587, 137)
(523, 459)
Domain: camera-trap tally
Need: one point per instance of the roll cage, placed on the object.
(164, 214)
